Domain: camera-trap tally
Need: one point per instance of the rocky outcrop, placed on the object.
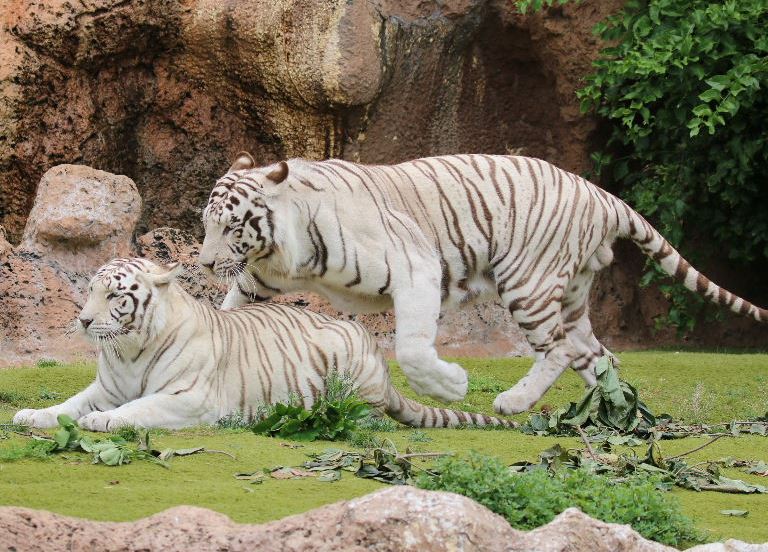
(397, 519)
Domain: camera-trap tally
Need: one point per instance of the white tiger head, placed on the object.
(125, 302)
(239, 225)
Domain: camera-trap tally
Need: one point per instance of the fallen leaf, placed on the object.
(291, 473)
(329, 476)
(735, 513)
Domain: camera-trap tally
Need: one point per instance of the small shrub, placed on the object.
(46, 394)
(46, 363)
(531, 499)
(334, 416)
(365, 439)
(127, 433)
(236, 422)
(32, 450)
(485, 384)
(419, 436)
(12, 397)
(377, 423)
(698, 408)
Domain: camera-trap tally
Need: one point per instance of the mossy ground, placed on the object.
(690, 386)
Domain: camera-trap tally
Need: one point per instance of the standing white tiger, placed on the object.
(437, 231)
(167, 360)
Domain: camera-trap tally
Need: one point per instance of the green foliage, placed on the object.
(333, 416)
(364, 439)
(379, 424)
(47, 363)
(537, 5)
(683, 89)
(12, 397)
(611, 404)
(115, 450)
(531, 499)
(485, 384)
(364, 435)
(46, 394)
(31, 450)
(418, 436)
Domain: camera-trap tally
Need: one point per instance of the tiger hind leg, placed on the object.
(578, 328)
(542, 325)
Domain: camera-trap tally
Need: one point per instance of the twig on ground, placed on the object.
(232, 456)
(698, 448)
(586, 442)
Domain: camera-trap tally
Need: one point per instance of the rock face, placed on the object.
(82, 217)
(166, 92)
(396, 519)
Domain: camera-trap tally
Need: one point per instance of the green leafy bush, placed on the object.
(333, 416)
(531, 499)
(683, 89)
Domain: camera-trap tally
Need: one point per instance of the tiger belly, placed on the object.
(470, 292)
(347, 300)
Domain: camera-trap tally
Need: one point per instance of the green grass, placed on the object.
(690, 386)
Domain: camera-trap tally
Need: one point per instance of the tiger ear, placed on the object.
(243, 160)
(164, 278)
(279, 173)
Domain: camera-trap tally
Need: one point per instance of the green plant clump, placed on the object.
(683, 88)
(334, 416)
(531, 499)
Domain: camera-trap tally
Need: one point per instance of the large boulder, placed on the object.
(82, 217)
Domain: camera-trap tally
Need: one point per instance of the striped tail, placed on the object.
(655, 246)
(414, 414)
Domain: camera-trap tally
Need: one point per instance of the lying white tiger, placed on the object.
(167, 360)
(444, 230)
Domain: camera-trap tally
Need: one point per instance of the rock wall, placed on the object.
(166, 92)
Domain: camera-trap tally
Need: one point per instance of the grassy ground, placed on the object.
(691, 386)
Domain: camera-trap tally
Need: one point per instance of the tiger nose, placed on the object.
(86, 322)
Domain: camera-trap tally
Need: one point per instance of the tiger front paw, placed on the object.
(513, 401)
(448, 382)
(102, 421)
(42, 419)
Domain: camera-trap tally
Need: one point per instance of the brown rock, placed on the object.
(5, 247)
(394, 519)
(169, 245)
(82, 217)
(38, 303)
